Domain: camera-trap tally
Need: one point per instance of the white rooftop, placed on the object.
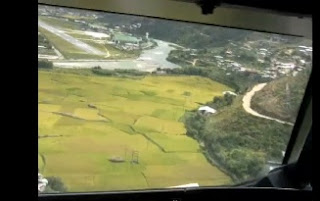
(229, 92)
(287, 65)
(220, 57)
(207, 109)
(305, 47)
(96, 34)
(236, 64)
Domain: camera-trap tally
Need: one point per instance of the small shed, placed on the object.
(206, 110)
(229, 92)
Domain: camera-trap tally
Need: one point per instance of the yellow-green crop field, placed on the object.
(86, 120)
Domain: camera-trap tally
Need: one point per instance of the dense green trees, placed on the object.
(194, 123)
(55, 185)
(248, 56)
(244, 161)
(239, 81)
(117, 72)
(221, 101)
(45, 64)
(238, 142)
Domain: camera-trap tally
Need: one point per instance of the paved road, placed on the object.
(247, 104)
(148, 61)
(81, 45)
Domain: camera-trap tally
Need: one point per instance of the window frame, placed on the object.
(225, 15)
(296, 26)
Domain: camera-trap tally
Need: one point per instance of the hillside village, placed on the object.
(270, 63)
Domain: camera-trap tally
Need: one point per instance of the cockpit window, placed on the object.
(129, 102)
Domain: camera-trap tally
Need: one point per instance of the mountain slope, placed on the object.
(281, 98)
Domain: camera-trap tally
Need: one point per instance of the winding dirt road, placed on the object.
(246, 103)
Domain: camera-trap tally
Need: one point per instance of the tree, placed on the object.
(97, 67)
(228, 98)
(45, 64)
(186, 93)
(245, 163)
(219, 102)
(248, 56)
(56, 184)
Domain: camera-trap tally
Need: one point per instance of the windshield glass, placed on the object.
(128, 102)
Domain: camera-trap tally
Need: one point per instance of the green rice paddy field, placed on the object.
(125, 115)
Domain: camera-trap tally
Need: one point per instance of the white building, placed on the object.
(242, 69)
(229, 92)
(235, 64)
(218, 57)
(287, 65)
(207, 110)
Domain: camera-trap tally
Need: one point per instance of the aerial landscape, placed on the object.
(130, 102)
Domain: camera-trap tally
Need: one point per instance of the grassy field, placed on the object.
(41, 164)
(138, 115)
(60, 23)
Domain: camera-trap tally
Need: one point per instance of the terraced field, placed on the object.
(84, 120)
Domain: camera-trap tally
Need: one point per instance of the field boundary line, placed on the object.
(145, 178)
(44, 161)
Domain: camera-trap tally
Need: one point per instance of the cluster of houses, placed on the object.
(229, 64)
(298, 63)
(305, 50)
(130, 27)
(279, 68)
(228, 60)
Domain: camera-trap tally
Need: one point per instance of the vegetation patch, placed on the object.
(258, 141)
(282, 98)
